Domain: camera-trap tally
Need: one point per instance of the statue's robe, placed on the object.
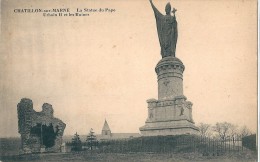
(167, 32)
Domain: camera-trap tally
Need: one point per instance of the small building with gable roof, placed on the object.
(106, 134)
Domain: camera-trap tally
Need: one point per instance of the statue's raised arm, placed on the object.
(157, 13)
(166, 29)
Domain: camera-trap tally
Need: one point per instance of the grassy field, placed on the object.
(9, 150)
(129, 157)
(9, 146)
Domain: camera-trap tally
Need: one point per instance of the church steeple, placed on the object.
(106, 130)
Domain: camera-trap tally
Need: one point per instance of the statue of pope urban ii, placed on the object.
(167, 30)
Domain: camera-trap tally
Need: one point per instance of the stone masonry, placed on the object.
(40, 131)
(171, 114)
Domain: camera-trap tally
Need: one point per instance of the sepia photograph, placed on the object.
(134, 81)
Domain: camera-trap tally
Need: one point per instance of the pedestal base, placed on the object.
(163, 128)
(171, 114)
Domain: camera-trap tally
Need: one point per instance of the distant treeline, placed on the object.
(170, 144)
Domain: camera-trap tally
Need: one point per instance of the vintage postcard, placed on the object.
(141, 80)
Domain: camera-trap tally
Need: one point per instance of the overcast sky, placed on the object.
(101, 66)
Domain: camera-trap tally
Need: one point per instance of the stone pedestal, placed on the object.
(169, 72)
(171, 114)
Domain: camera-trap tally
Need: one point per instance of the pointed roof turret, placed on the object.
(105, 127)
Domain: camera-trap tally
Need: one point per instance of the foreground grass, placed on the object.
(129, 157)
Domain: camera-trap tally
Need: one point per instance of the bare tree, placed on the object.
(222, 130)
(204, 129)
(244, 131)
(233, 132)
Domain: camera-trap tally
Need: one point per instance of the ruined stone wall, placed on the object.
(39, 130)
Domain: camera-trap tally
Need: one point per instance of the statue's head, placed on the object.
(168, 8)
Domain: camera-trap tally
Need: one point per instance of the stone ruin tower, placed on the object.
(40, 131)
